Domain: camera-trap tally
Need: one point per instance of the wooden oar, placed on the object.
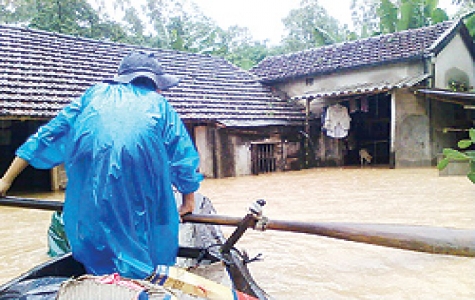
(435, 240)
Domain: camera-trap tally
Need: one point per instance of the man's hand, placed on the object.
(188, 204)
(4, 186)
(16, 167)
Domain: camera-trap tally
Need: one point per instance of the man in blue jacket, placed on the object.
(123, 147)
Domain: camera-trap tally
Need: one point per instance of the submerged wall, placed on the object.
(411, 143)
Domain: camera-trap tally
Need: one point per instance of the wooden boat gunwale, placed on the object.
(67, 266)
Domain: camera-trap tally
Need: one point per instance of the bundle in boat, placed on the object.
(166, 283)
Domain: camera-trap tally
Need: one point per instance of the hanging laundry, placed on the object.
(337, 121)
(353, 105)
(364, 104)
(323, 117)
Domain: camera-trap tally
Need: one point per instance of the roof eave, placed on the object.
(446, 38)
(417, 57)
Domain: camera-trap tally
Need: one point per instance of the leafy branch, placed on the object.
(455, 155)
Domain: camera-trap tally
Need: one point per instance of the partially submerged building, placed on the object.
(401, 96)
(239, 125)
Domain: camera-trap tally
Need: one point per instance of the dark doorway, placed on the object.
(370, 129)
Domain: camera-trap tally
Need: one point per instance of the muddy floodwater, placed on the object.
(300, 266)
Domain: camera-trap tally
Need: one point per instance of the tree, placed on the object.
(180, 25)
(310, 26)
(364, 16)
(19, 12)
(466, 10)
(135, 28)
(240, 48)
(374, 17)
(74, 17)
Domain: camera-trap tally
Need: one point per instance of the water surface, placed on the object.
(300, 266)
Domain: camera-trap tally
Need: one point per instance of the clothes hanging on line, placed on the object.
(353, 105)
(364, 104)
(322, 118)
(359, 104)
(337, 121)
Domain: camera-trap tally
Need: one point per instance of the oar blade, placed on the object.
(436, 240)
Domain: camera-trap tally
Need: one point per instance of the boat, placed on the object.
(208, 267)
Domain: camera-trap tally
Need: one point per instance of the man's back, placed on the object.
(123, 147)
(117, 161)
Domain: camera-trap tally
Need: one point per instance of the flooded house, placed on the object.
(239, 125)
(399, 97)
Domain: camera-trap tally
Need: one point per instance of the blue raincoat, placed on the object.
(123, 148)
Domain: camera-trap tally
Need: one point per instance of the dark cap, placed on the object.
(141, 64)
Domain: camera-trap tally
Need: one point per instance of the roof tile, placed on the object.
(40, 72)
(383, 49)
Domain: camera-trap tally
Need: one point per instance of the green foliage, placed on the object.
(387, 16)
(456, 155)
(388, 13)
(458, 86)
(246, 54)
(180, 25)
(470, 22)
(467, 11)
(74, 17)
(419, 13)
(310, 26)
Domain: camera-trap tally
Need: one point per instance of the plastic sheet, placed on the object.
(57, 241)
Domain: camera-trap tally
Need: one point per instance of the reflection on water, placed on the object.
(298, 266)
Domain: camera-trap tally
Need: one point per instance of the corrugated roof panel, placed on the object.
(366, 87)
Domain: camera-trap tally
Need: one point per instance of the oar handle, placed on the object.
(51, 205)
(212, 219)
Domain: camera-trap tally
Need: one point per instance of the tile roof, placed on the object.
(384, 49)
(40, 72)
